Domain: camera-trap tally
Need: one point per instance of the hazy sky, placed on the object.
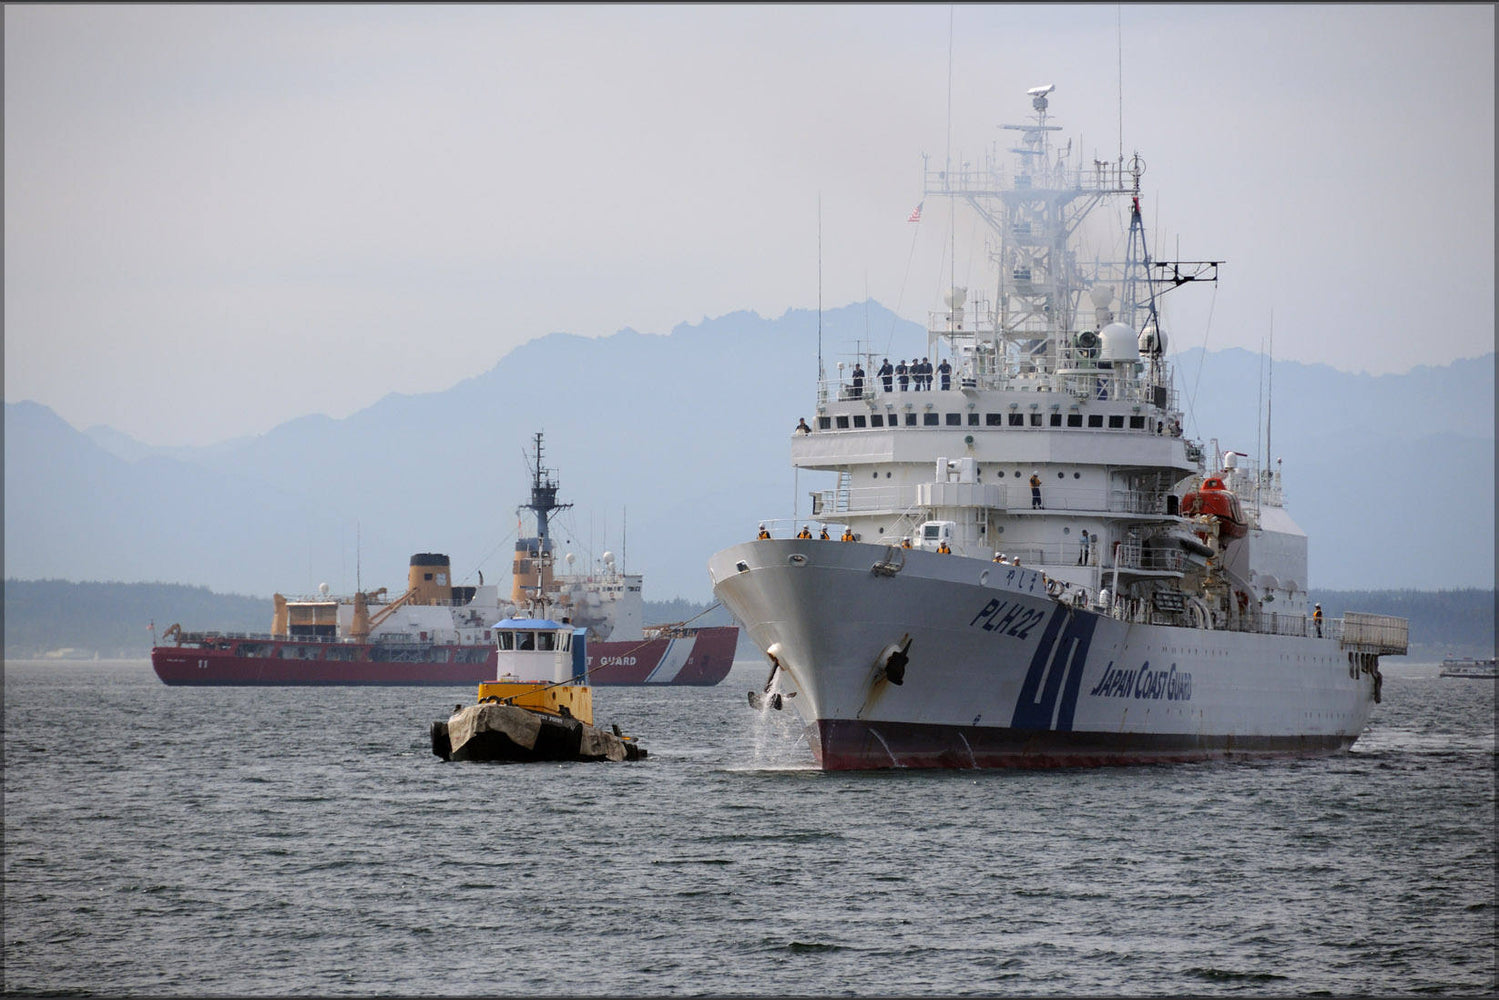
(218, 218)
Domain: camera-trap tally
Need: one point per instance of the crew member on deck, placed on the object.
(886, 372)
(945, 370)
(902, 375)
(1317, 618)
(806, 532)
(848, 533)
(824, 533)
(801, 427)
(1035, 490)
(858, 392)
(763, 533)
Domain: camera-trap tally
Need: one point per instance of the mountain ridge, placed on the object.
(670, 446)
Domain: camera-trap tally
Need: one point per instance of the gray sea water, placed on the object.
(253, 841)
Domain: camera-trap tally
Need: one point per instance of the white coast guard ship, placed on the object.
(1038, 569)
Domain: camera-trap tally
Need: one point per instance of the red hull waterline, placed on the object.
(852, 745)
(698, 658)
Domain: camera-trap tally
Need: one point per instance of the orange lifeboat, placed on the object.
(1214, 498)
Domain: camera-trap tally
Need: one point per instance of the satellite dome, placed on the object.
(1119, 343)
(609, 559)
(1152, 340)
(955, 297)
(322, 588)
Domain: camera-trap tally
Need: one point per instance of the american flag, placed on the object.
(915, 215)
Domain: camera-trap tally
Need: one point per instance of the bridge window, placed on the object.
(823, 423)
(1035, 420)
(929, 419)
(1116, 420)
(858, 420)
(955, 420)
(1074, 420)
(973, 419)
(1095, 420)
(1017, 420)
(1056, 420)
(842, 423)
(994, 419)
(1137, 423)
(910, 420)
(877, 420)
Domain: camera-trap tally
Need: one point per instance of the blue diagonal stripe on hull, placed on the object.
(1063, 649)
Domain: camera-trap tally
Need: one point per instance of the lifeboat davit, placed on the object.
(1214, 498)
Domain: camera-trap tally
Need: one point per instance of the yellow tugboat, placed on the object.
(520, 717)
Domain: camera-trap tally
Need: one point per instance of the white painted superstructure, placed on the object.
(1038, 567)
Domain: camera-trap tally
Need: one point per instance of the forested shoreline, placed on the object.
(66, 620)
(58, 618)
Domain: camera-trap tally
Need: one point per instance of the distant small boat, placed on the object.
(1468, 667)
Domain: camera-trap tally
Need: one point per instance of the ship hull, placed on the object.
(700, 658)
(999, 674)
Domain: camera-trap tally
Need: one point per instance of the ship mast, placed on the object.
(543, 497)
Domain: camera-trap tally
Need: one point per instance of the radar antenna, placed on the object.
(543, 494)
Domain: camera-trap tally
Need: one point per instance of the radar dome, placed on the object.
(1152, 340)
(569, 558)
(1102, 295)
(609, 559)
(1119, 343)
(955, 297)
(322, 588)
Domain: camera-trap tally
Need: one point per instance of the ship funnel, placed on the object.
(429, 580)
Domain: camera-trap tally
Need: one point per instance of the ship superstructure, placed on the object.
(1031, 482)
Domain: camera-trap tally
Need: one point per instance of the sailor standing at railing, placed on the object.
(858, 391)
(886, 372)
(902, 375)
